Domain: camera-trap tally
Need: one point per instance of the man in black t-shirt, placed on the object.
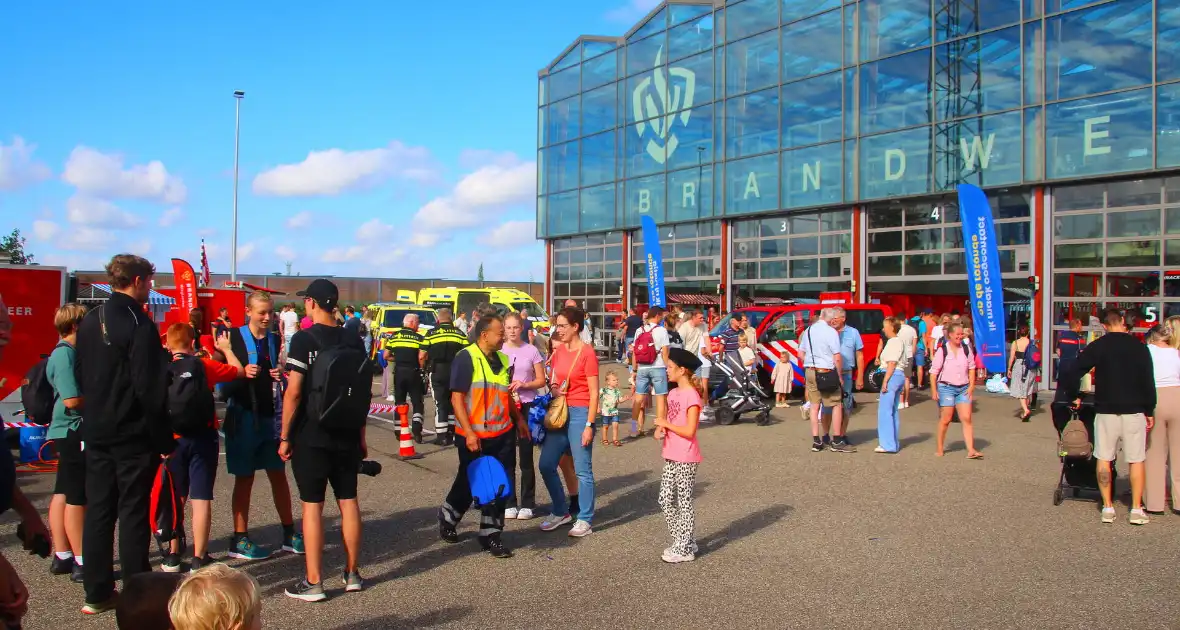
(633, 323)
(320, 457)
(251, 443)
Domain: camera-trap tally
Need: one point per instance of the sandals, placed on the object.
(617, 443)
(975, 455)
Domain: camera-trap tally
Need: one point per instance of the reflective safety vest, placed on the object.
(404, 344)
(488, 401)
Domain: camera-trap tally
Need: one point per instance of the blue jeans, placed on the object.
(558, 443)
(952, 395)
(846, 378)
(887, 415)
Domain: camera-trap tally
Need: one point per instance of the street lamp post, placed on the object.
(233, 265)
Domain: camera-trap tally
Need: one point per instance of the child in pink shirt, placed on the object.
(682, 453)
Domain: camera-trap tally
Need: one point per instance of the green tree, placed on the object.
(13, 247)
(479, 275)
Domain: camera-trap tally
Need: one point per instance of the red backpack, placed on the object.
(645, 346)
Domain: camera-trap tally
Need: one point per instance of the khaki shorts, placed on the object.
(1131, 428)
(816, 397)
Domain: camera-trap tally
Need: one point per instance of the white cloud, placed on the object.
(171, 217)
(510, 234)
(369, 255)
(17, 166)
(632, 11)
(45, 230)
(334, 171)
(84, 210)
(285, 253)
(246, 250)
(299, 221)
(142, 247)
(102, 175)
(478, 197)
(374, 230)
(425, 239)
(86, 238)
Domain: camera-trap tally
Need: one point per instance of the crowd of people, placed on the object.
(125, 406)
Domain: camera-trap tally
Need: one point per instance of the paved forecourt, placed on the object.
(789, 538)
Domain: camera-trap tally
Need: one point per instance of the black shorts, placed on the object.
(71, 469)
(315, 467)
(194, 466)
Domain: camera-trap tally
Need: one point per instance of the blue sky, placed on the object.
(393, 139)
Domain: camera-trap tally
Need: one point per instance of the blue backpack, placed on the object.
(1032, 356)
(488, 479)
(252, 348)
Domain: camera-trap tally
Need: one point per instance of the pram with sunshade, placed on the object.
(745, 394)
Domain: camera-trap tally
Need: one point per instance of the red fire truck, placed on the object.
(32, 295)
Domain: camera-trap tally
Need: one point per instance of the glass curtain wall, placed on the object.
(794, 256)
(770, 105)
(589, 269)
(691, 254)
(1116, 245)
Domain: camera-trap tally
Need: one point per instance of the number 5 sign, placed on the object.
(1151, 314)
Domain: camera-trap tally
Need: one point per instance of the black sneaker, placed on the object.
(450, 439)
(440, 439)
(62, 567)
(447, 533)
(816, 445)
(76, 575)
(844, 439)
(171, 563)
(842, 447)
(495, 546)
(307, 592)
(417, 432)
(196, 564)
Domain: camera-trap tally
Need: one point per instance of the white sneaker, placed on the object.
(510, 514)
(675, 558)
(580, 529)
(1108, 515)
(524, 514)
(1138, 517)
(554, 521)
(389, 398)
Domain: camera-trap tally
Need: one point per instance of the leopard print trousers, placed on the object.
(676, 502)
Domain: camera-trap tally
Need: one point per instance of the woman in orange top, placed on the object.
(575, 373)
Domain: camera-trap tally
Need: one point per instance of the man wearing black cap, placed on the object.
(319, 456)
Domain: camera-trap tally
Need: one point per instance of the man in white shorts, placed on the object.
(1124, 399)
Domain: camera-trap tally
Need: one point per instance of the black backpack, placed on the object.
(36, 393)
(190, 401)
(340, 387)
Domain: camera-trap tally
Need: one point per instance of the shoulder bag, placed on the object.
(558, 412)
(825, 382)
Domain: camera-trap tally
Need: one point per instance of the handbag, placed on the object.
(557, 414)
(825, 382)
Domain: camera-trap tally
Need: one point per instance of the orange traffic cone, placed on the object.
(406, 443)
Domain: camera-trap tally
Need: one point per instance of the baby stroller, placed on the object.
(745, 394)
(1078, 473)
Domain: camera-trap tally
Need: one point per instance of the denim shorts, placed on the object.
(951, 395)
(652, 380)
(606, 420)
(920, 357)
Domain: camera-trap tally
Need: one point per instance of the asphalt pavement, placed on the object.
(789, 539)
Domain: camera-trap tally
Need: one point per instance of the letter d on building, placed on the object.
(890, 156)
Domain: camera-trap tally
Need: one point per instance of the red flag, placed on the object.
(204, 266)
(186, 285)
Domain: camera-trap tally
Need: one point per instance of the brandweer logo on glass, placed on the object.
(656, 105)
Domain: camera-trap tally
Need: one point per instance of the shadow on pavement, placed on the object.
(635, 504)
(916, 439)
(959, 445)
(743, 527)
(425, 620)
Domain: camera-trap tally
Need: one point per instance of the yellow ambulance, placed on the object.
(504, 299)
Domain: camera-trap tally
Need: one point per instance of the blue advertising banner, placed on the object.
(655, 262)
(984, 287)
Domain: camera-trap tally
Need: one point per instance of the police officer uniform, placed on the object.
(441, 344)
(404, 345)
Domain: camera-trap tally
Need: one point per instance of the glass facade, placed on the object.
(763, 106)
(588, 269)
